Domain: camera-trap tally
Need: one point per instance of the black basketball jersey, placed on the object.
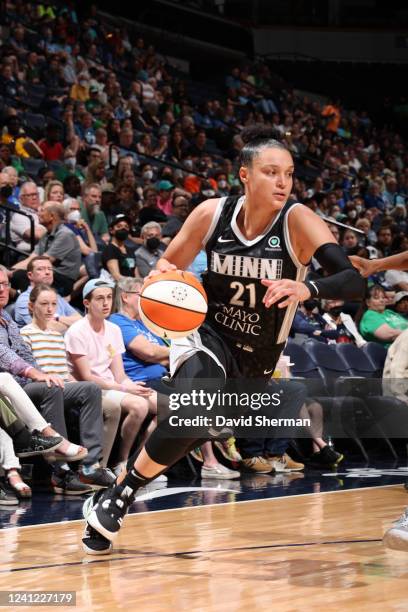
(236, 267)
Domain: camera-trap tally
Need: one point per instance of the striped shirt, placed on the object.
(48, 349)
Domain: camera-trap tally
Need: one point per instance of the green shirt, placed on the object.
(98, 225)
(372, 320)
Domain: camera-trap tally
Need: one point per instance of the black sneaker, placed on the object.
(7, 498)
(94, 543)
(100, 478)
(66, 482)
(38, 445)
(326, 457)
(108, 513)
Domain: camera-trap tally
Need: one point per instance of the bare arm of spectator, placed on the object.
(387, 333)
(141, 348)
(39, 231)
(93, 248)
(64, 322)
(22, 265)
(113, 269)
(121, 382)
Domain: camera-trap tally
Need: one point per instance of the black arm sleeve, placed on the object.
(344, 282)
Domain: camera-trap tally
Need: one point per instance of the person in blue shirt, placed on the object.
(147, 356)
(39, 270)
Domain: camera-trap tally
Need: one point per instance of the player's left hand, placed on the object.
(293, 291)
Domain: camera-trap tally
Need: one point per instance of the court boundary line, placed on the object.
(186, 554)
(244, 501)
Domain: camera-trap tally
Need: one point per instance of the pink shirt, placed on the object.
(165, 205)
(99, 347)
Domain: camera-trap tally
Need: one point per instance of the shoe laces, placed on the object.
(117, 502)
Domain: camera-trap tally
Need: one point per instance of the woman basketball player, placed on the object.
(258, 247)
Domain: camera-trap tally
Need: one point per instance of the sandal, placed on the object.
(19, 486)
(74, 453)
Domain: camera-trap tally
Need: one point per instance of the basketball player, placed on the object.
(397, 536)
(258, 249)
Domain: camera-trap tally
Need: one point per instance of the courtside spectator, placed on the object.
(95, 346)
(40, 271)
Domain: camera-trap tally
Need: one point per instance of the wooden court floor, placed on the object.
(320, 551)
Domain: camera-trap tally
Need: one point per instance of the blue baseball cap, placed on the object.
(96, 283)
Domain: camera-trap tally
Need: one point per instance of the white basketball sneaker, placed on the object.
(397, 536)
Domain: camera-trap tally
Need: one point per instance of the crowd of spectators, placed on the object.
(106, 148)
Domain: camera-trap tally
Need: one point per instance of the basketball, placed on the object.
(173, 304)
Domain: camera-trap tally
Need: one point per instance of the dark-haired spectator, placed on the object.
(378, 323)
(384, 240)
(341, 322)
(150, 211)
(118, 260)
(349, 242)
(51, 146)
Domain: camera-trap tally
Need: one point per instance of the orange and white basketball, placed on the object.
(173, 304)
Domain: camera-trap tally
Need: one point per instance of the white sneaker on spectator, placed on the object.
(219, 472)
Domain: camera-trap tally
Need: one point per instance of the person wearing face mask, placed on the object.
(152, 249)
(118, 260)
(341, 322)
(83, 232)
(70, 169)
(309, 322)
(223, 186)
(147, 175)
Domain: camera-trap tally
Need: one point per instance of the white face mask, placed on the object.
(222, 184)
(74, 216)
(188, 163)
(70, 162)
(148, 175)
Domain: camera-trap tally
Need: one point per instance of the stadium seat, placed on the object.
(377, 354)
(382, 408)
(347, 409)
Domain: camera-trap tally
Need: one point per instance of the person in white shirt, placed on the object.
(20, 226)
